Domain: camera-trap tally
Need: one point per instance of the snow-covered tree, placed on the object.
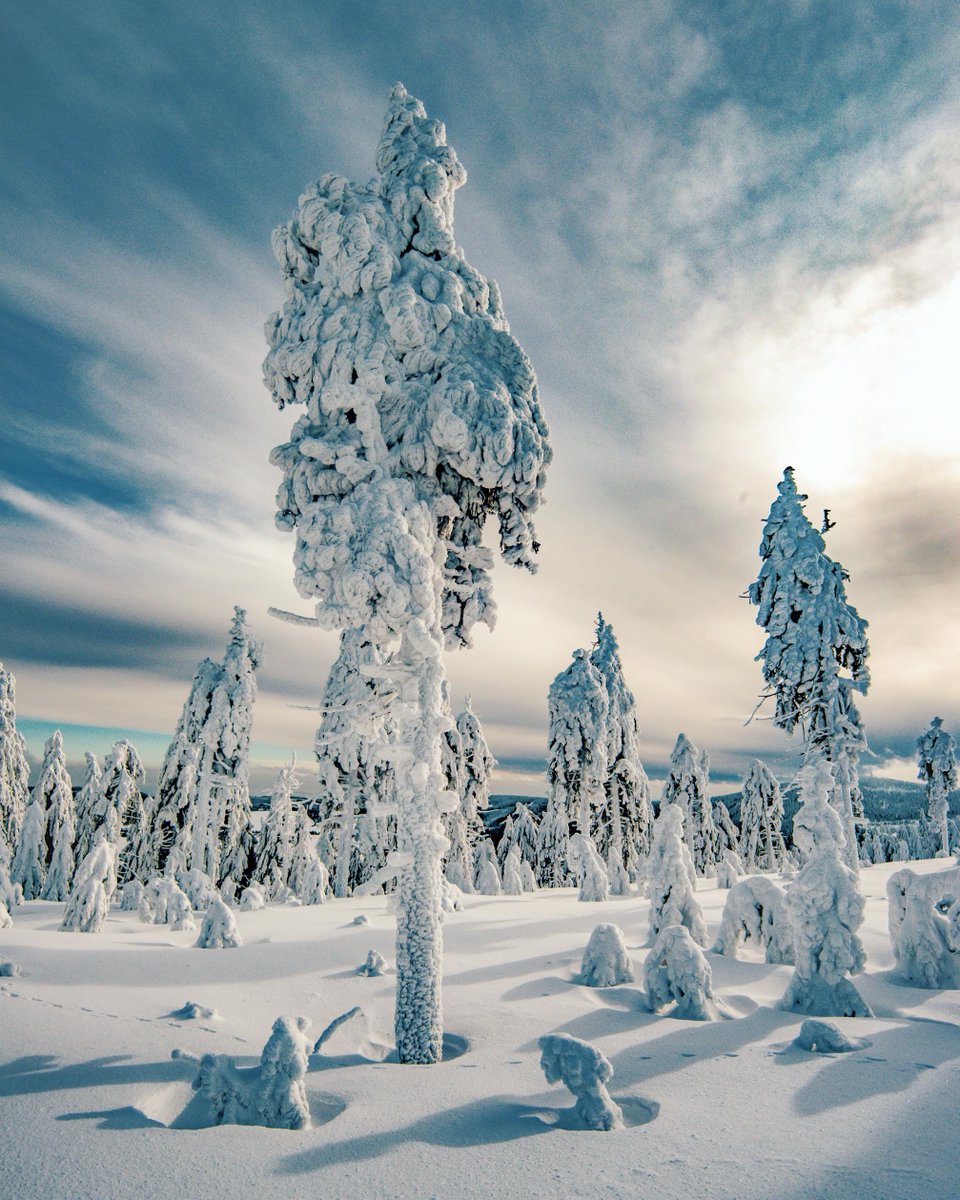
(671, 879)
(606, 961)
(825, 906)
(303, 850)
(577, 746)
(761, 819)
(687, 786)
(676, 971)
(219, 929)
(120, 793)
(626, 820)
(478, 764)
(937, 770)
(29, 867)
(512, 880)
(315, 882)
(553, 843)
(924, 921)
(585, 1071)
(11, 894)
(94, 883)
(275, 846)
(14, 768)
(815, 654)
(525, 832)
(756, 910)
(56, 798)
(87, 804)
(422, 418)
(587, 865)
(488, 878)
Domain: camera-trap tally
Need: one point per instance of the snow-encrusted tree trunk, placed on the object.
(54, 783)
(815, 654)
(14, 768)
(687, 785)
(937, 770)
(577, 745)
(422, 418)
(761, 817)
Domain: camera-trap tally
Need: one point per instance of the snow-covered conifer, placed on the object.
(815, 654)
(937, 769)
(553, 843)
(676, 971)
(671, 879)
(303, 851)
(756, 910)
(728, 869)
(94, 882)
(10, 893)
(488, 879)
(761, 818)
(374, 964)
(56, 793)
(606, 962)
(687, 785)
(422, 418)
(478, 764)
(505, 845)
(282, 1095)
(587, 866)
(825, 906)
(131, 895)
(219, 929)
(525, 833)
(29, 867)
(14, 768)
(6, 921)
(199, 888)
(87, 805)
(585, 1071)
(577, 747)
(512, 882)
(120, 792)
(924, 921)
(275, 849)
(253, 897)
(315, 882)
(527, 878)
(163, 902)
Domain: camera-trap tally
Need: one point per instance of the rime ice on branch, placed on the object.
(422, 418)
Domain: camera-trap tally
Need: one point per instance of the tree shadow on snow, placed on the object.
(28, 1076)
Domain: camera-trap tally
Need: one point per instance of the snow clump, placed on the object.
(375, 964)
(823, 1037)
(924, 921)
(585, 1071)
(756, 911)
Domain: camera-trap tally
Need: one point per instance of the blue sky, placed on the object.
(727, 235)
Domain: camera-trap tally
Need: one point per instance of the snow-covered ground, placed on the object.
(89, 1091)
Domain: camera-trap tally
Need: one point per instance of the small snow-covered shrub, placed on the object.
(130, 895)
(527, 877)
(823, 1037)
(94, 883)
(252, 897)
(163, 902)
(315, 882)
(451, 898)
(219, 929)
(199, 888)
(10, 893)
(375, 964)
(924, 922)
(677, 971)
(512, 883)
(5, 919)
(585, 1071)
(488, 880)
(588, 867)
(671, 879)
(755, 910)
(605, 960)
(728, 869)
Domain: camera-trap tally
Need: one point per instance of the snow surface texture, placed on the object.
(671, 879)
(756, 911)
(585, 1071)
(825, 906)
(823, 1037)
(924, 917)
(219, 929)
(606, 962)
(676, 972)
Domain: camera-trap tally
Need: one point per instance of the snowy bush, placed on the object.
(375, 964)
(512, 883)
(199, 888)
(756, 910)
(587, 866)
(163, 902)
(676, 971)
(451, 898)
(488, 881)
(527, 878)
(671, 879)
(253, 898)
(823, 1037)
(131, 895)
(94, 883)
(585, 1071)
(605, 960)
(5, 919)
(825, 907)
(924, 921)
(219, 929)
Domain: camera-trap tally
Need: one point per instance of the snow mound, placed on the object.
(605, 960)
(191, 1011)
(9, 970)
(375, 964)
(924, 922)
(823, 1037)
(360, 919)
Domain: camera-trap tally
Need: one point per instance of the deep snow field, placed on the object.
(93, 1106)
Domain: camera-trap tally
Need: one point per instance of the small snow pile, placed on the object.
(585, 1071)
(924, 920)
(587, 865)
(823, 1037)
(671, 879)
(512, 881)
(825, 905)
(219, 929)
(163, 902)
(488, 880)
(131, 895)
(94, 883)
(376, 964)
(276, 1097)
(5, 919)
(605, 960)
(756, 910)
(676, 970)
(191, 1011)
(9, 970)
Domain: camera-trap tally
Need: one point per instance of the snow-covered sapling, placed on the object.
(756, 910)
(687, 787)
(823, 1037)
(825, 906)
(728, 869)
(924, 927)
(61, 824)
(488, 880)
(527, 878)
(937, 769)
(315, 882)
(585, 1071)
(252, 898)
(219, 929)
(676, 971)
(163, 902)
(94, 883)
(512, 881)
(131, 895)
(199, 887)
(671, 879)
(10, 893)
(588, 867)
(281, 1094)
(606, 962)
(29, 866)
(375, 964)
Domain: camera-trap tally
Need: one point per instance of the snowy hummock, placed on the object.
(606, 961)
(375, 964)
(823, 1037)
(585, 1071)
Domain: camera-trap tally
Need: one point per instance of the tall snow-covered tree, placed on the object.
(553, 843)
(120, 792)
(525, 833)
(478, 764)
(14, 768)
(276, 842)
(937, 770)
(422, 418)
(815, 654)
(625, 826)
(29, 867)
(87, 804)
(671, 879)
(54, 783)
(687, 785)
(761, 819)
(577, 746)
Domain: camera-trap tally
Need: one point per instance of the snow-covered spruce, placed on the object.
(825, 906)
(528, 879)
(587, 865)
(585, 1071)
(553, 843)
(687, 786)
(374, 964)
(728, 869)
(422, 418)
(120, 793)
(823, 1037)
(315, 882)
(29, 867)
(163, 902)
(756, 911)
(761, 819)
(671, 880)
(219, 929)
(478, 764)
(87, 805)
(815, 654)
(605, 960)
(131, 895)
(577, 746)
(200, 888)
(10, 893)
(94, 882)
(937, 770)
(275, 844)
(488, 880)
(924, 922)
(677, 972)
(56, 793)
(252, 898)
(512, 880)
(14, 768)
